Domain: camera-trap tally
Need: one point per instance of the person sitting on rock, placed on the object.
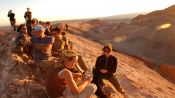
(59, 44)
(23, 40)
(68, 43)
(59, 47)
(66, 28)
(105, 67)
(61, 82)
(42, 46)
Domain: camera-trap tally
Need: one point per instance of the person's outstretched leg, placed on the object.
(116, 84)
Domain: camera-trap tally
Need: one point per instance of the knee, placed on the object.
(92, 87)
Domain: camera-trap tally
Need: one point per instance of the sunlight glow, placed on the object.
(119, 39)
(164, 26)
(50, 10)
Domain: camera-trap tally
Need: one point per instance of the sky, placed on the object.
(49, 10)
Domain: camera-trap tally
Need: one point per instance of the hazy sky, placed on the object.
(74, 9)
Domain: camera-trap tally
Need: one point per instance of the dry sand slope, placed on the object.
(17, 79)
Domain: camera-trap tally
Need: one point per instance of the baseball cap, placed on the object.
(39, 28)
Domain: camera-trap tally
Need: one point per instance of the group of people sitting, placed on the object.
(45, 40)
(50, 53)
(64, 70)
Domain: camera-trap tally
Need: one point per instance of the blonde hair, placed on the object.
(108, 46)
(68, 55)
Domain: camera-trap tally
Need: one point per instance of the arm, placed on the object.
(43, 47)
(25, 15)
(82, 63)
(77, 76)
(112, 68)
(68, 77)
(97, 64)
(8, 15)
(33, 32)
(55, 52)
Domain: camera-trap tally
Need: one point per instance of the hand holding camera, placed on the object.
(88, 74)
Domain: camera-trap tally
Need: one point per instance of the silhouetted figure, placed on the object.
(66, 27)
(30, 27)
(12, 19)
(28, 16)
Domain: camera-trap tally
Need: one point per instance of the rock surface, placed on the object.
(19, 80)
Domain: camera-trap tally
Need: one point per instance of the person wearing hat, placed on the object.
(41, 51)
(61, 81)
(12, 19)
(42, 44)
(105, 67)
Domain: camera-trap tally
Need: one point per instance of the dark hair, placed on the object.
(57, 29)
(104, 48)
(63, 33)
(20, 26)
(49, 23)
(108, 48)
(40, 22)
(33, 21)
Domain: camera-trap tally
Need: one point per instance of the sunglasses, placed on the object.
(106, 50)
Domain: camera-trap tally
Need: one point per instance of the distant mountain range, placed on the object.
(122, 16)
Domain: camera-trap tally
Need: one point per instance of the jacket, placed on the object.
(109, 64)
